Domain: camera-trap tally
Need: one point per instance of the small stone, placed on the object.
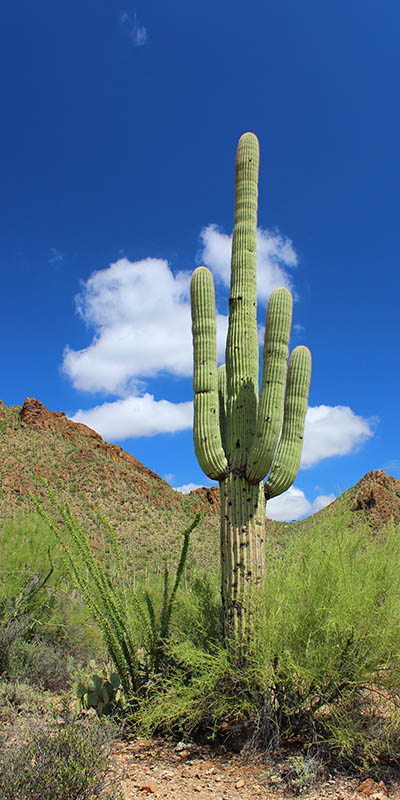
(181, 746)
(378, 795)
(148, 786)
(366, 786)
(239, 784)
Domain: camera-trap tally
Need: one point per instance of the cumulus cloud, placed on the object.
(137, 416)
(275, 253)
(323, 500)
(140, 313)
(187, 487)
(136, 33)
(289, 506)
(332, 431)
(293, 504)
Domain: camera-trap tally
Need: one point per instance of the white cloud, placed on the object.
(137, 33)
(293, 504)
(140, 312)
(323, 500)
(289, 506)
(274, 254)
(137, 416)
(187, 487)
(332, 431)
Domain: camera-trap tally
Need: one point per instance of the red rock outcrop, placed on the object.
(378, 495)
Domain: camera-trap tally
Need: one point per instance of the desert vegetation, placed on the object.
(322, 671)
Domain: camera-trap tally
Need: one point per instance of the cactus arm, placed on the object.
(206, 431)
(270, 408)
(242, 343)
(221, 373)
(287, 457)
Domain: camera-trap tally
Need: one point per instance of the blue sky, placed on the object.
(120, 126)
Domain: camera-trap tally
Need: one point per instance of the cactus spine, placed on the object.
(239, 436)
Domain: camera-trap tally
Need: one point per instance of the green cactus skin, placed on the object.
(239, 436)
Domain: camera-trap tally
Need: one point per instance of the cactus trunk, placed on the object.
(242, 552)
(239, 436)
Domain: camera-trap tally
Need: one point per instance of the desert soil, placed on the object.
(158, 769)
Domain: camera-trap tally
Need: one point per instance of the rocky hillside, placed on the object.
(148, 515)
(88, 473)
(375, 499)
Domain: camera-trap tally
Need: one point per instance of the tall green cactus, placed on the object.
(239, 436)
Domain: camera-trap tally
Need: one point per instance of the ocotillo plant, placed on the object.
(239, 435)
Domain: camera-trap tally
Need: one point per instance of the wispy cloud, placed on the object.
(56, 256)
(392, 467)
(136, 32)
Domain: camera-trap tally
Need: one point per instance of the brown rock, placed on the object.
(383, 788)
(150, 787)
(378, 495)
(367, 786)
(207, 497)
(378, 796)
(239, 784)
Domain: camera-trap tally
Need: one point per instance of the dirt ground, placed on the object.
(160, 769)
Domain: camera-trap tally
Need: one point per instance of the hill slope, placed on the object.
(375, 499)
(148, 515)
(83, 470)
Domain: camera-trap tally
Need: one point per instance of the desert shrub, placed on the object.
(323, 667)
(19, 700)
(300, 772)
(198, 613)
(26, 567)
(204, 696)
(134, 634)
(326, 649)
(38, 600)
(24, 545)
(40, 663)
(49, 761)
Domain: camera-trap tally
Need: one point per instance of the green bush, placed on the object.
(67, 762)
(38, 601)
(134, 635)
(324, 662)
(40, 664)
(19, 700)
(326, 648)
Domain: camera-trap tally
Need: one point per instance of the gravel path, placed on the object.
(159, 769)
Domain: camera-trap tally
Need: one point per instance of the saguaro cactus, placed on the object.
(239, 436)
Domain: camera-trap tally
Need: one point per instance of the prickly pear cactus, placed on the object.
(242, 436)
(104, 693)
